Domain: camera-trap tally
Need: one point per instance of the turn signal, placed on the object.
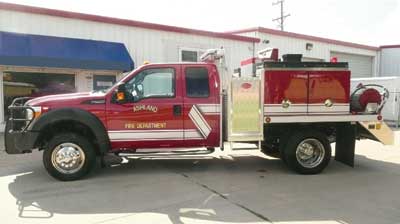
(120, 96)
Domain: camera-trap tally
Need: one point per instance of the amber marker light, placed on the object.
(120, 96)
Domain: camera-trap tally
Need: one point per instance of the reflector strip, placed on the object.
(198, 120)
(137, 135)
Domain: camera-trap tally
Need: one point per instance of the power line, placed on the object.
(282, 18)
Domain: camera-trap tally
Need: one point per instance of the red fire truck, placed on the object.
(291, 107)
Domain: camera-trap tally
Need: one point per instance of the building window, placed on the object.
(103, 82)
(190, 55)
(197, 84)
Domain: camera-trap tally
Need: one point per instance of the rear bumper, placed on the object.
(19, 142)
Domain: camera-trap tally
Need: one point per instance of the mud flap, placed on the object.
(345, 143)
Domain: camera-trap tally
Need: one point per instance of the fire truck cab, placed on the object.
(291, 107)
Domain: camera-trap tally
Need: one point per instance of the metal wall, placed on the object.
(143, 44)
(390, 62)
(319, 51)
(359, 65)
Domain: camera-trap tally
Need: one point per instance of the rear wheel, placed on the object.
(307, 152)
(69, 157)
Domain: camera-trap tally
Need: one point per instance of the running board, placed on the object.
(165, 154)
(379, 130)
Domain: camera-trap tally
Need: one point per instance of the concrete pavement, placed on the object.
(242, 190)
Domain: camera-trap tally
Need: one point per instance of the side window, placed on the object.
(197, 84)
(152, 83)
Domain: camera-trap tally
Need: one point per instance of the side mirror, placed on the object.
(121, 93)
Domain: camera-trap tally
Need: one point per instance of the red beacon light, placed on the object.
(334, 60)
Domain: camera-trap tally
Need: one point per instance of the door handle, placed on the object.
(177, 110)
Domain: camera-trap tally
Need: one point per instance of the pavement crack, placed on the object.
(226, 198)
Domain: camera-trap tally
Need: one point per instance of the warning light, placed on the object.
(146, 62)
(379, 117)
(334, 60)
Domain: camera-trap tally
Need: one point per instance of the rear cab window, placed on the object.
(197, 82)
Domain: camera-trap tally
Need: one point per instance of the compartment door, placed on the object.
(285, 93)
(329, 92)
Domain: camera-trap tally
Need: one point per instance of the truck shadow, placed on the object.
(258, 189)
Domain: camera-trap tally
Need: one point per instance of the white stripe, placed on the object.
(274, 108)
(199, 121)
(322, 118)
(193, 134)
(280, 105)
(304, 108)
(124, 135)
(154, 134)
(209, 108)
(146, 131)
(335, 108)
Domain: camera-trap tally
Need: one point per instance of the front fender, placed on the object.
(77, 115)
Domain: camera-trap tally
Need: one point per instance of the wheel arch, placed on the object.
(75, 120)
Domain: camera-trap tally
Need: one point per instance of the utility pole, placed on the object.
(282, 18)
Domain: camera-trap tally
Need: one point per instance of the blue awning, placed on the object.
(59, 52)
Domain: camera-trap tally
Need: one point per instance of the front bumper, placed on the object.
(19, 142)
(17, 138)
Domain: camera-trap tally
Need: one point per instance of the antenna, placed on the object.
(282, 18)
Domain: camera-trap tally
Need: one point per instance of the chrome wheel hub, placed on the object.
(310, 153)
(68, 158)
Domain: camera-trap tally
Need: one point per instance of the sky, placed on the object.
(371, 22)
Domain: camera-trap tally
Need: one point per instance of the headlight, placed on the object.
(29, 114)
(33, 114)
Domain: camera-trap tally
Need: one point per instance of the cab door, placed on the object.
(201, 105)
(152, 116)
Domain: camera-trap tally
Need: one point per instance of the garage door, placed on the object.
(360, 66)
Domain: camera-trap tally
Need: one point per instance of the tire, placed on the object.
(307, 152)
(69, 157)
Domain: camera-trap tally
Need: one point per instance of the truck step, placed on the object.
(169, 154)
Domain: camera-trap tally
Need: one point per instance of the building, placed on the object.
(363, 60)
(390, 60)
(45, 51)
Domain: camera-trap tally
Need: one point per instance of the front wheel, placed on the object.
(307, 152)
(69, 157)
